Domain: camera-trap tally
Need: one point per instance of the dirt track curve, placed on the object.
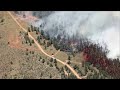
(73, 71)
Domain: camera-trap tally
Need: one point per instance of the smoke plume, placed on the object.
(101, 27)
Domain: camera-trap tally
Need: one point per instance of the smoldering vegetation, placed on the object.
(97, 26)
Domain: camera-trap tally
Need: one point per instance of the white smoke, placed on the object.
(98, 26)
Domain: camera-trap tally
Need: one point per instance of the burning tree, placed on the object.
(97, 56)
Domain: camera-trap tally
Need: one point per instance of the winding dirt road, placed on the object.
(38, 45)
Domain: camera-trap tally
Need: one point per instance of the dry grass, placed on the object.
(77, 60)
(62, 56)
(14, 63)
(50, 50)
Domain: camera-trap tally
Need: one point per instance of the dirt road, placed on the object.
(56, 52)
(38, 45)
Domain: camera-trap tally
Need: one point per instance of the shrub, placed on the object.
(51, 60)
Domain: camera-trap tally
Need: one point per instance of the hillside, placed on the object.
(26, 52)
(14, 63)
